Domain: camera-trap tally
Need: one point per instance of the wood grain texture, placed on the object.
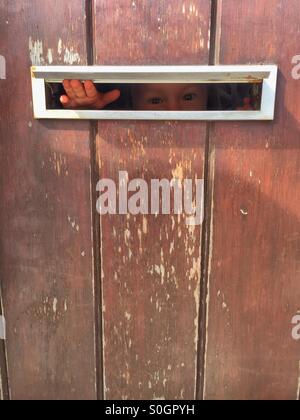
(46, 262)
(254, 288)
(150, 266)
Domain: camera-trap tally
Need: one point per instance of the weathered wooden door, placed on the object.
(144, 307)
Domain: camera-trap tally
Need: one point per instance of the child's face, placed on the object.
(169, 97)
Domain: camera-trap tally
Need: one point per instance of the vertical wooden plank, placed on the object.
(254, 288)
(151, 265)
(46, 259)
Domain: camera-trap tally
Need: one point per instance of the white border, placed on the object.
(156, 74)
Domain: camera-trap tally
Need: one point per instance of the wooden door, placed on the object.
(253, 282)
(145, 307)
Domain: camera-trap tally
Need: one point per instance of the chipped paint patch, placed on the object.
(36, 52)
(128, 316)
(127, 237)
(66, 54)
(172, 246)
(160, 270)
(71, 57)
(178, 172)
(195, 270)
(73, 223)
(196, 320)
(55, 302)
(59, 164)
(50, 56)
(145, 225)
(60, 47)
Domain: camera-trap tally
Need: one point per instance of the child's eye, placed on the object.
(155, 101)
(190, 96)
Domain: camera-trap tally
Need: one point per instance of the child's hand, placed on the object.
(85, 95)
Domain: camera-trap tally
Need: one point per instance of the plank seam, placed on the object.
(96, 234)
(207, 228)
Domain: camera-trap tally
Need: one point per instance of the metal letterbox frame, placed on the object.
(267, 74)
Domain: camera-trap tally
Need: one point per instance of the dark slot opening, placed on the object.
(175, 97)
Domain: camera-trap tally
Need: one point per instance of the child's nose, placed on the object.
(173, 105)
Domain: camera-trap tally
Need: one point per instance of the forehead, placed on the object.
(164, 87)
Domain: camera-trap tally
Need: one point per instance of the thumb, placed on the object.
(110, 97)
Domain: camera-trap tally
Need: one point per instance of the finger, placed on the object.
(64, 99)
(78, 103)
(68, 103)
(78, 89)
(110, 97)
(90, 89)
(68, 89)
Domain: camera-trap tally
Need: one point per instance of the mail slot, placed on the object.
(211, 81)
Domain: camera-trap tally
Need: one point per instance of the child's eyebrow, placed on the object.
(160, 90)
(152, 90)
(156, 90)
(192, 86)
